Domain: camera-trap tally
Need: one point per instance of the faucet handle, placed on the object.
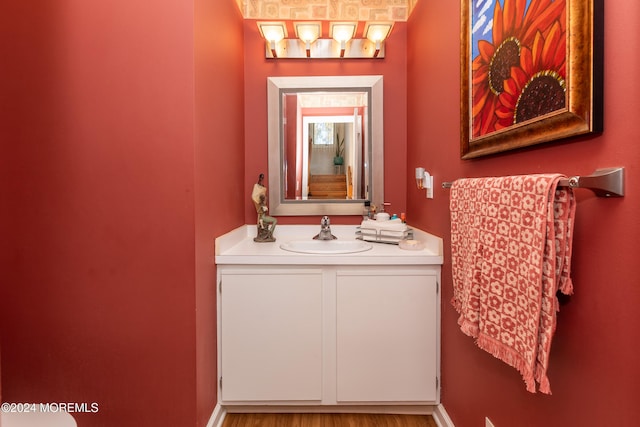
(325, 221)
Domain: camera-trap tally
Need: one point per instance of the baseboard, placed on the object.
(217, 416)
(441, 417)
(337, 409)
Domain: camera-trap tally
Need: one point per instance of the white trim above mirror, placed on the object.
(372, 155)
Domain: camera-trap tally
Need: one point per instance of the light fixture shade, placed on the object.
(377, 31)
(273, 32)
(308, 32)
(342, 31)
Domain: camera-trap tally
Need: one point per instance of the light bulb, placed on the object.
(420, 178)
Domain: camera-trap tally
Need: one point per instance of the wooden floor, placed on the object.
(327, 420)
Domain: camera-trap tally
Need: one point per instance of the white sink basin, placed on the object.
(326, 247)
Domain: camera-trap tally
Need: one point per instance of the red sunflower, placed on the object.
(537, 86)
(512, 29)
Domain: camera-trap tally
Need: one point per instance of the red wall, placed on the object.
(593, 371)
(392, 68)
(110, 172)
(219, 170)
(125, 140)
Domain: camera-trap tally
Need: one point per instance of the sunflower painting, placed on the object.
(527, 72)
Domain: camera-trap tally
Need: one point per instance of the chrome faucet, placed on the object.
(325, 230)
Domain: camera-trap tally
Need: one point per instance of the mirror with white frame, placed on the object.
(325, 144)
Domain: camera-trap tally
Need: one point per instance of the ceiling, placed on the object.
(327, 10)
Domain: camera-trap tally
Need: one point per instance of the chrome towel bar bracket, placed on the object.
(607, 182)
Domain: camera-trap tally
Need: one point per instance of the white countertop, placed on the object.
(237, 247)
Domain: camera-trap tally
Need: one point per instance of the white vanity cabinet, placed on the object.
(328, 335)
(298, 330)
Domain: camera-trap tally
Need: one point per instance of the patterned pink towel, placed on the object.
(511, 252)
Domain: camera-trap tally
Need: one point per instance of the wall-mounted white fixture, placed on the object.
(377, 32)
(424, 181)
(308, 32)
(342, 32)
(273, 33)
(309, 42)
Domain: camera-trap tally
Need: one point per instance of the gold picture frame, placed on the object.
(531, 72)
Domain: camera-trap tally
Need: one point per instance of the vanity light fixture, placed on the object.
(342, 32)
(377, 32)
(424, 181)
(308, 32)
(273, 33)
(309, 41)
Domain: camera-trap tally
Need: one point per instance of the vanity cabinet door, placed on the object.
(386, 336)
(271, 336)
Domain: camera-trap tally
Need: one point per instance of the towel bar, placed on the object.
(607, 182)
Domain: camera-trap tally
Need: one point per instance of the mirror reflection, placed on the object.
(324, 160)
(325, 144)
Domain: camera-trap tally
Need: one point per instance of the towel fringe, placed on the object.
(507, 355)
(566, 286)
(543, 380)
(511, 358)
